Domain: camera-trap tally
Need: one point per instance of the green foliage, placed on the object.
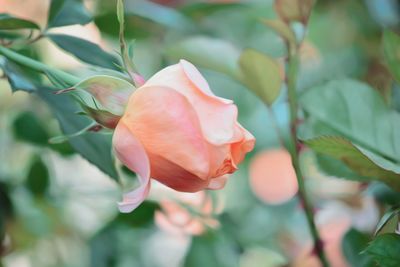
(143, 215)
(106, 93)
(384, 194)
(16, 77)
(391, 52)
(207, 52)
(335, 167)
(385, 250)
(37, 180)
(67, 12)
(162, 15)
(96, 148)
(361, 161)
(9, 22)
(389, 222)
(84, 50)
(353, 244)
(369, 151)
(282, 29)
(261, 74)
(213, 250)
(294, 10)
(29, 128)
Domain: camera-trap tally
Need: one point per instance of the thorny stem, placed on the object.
(293, 64)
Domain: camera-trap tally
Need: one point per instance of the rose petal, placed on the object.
(239, 149)
(132, 154)
(169, 129)
(218, 183)
(174, 176)
(198, 80)
(217, 118)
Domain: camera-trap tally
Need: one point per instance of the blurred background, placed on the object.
(57, 209)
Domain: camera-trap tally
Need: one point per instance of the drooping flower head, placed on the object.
(175, 130)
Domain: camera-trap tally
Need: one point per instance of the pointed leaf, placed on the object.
(389, 222)
(355, 111)
(282, 29)
(385, 250)
(364, 162)
(67, 12)
(96, 148)
(16, 78)
(354, 242)
(84, 50)
(9, 22)
(261, 74)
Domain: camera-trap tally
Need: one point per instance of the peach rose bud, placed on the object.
(175, 130)
(272, 177)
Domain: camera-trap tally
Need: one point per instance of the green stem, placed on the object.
(293, 64)
(38, 66)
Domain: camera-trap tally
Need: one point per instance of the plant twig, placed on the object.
(37, 66)
(293, 64)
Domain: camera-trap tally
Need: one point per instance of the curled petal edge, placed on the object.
(198, 80)
(132, 154)
(218, 183)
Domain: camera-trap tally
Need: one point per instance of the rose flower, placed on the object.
(175, 130)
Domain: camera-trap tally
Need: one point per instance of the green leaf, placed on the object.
(282, 29)
(355, 111)
(17, 78)
(142, 216)
(385, 250)
(202, 9)
(67, 12)
(10, 35)
(6, 205)
(160, 14)
(363, 162)
(384, 194)
(391, 52)
(84, 50)
(212, 250)
(139, 27)
(6, 211)
(37, 180)
(389, 222)
(261, 74)
(9, 22)
(354, 242)
(28, 128)
(334, 167)
(96, 148)
(207, 52)
(294, 10)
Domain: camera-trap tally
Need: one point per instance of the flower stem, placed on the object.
(38, 66)
(293, 64)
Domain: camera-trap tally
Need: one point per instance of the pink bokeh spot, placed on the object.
(272, 177)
